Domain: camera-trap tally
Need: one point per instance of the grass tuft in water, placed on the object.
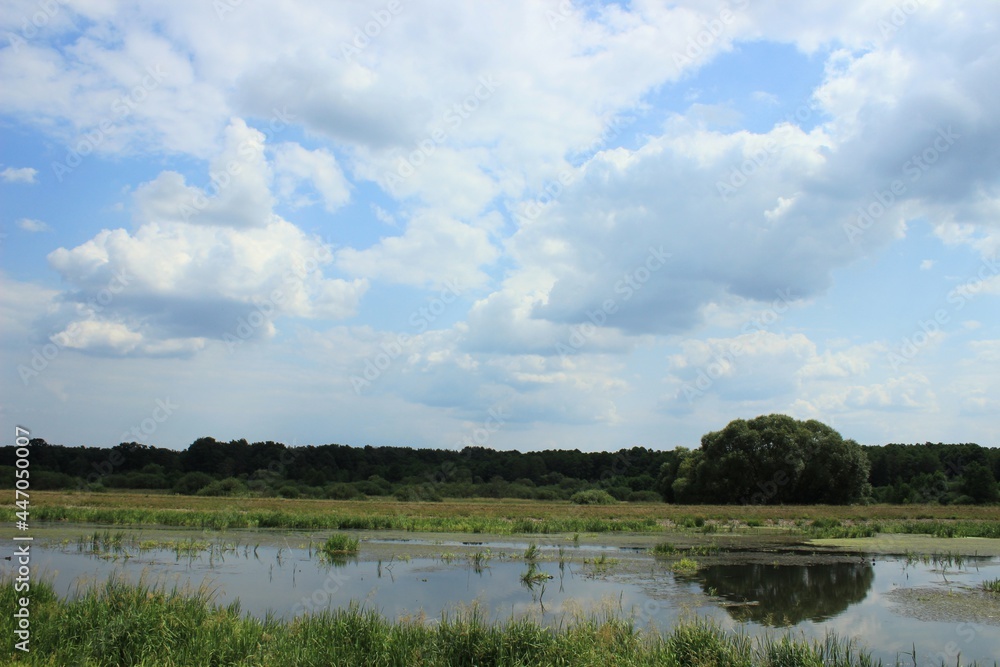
(340, 544)
(992, 586)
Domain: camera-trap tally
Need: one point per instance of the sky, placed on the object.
(528, 225)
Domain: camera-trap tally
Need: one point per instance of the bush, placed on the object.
(645, 497)
(193, 482)
(620, 492)
(43, 480)
(341, 491)
(289, 491)
(229, 486)
(413, 493)
(373, 486)
(592, 497)
(548, 494)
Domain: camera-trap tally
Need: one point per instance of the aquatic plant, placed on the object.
(340, 544)
(685, 565)
(664, 549)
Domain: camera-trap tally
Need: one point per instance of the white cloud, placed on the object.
(33, 226)
(433, 250)
(226, 273)
(295, 166)
(21, 175)
(927, 264)
(238, 193)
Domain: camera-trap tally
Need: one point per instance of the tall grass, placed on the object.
(224, 519)
(137, 624)
(340, 544)
(507, 517)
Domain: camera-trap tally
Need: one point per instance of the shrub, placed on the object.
(592, 497)
(413, 493)
(43, 480)
(193, 482)
(341, 491)
(229, 486)
(645, 497)
(289, 491)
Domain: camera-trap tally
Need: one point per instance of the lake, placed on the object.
(892, 605)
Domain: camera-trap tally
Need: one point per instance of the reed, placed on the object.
(340, 544)
(142, 624)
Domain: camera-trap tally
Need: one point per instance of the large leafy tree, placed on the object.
(774, 459)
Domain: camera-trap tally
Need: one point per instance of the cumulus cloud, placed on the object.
(238, 193)
(434, 250)
(225, 273)
(297, 166)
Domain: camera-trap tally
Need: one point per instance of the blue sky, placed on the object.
(596, 225)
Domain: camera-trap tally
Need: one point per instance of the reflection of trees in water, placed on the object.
(788, 594)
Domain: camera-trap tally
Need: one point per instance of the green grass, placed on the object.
(340, 544)
(665, 549)
(141, 625)
(992, 586)
(533, 575)
(505, 516)
(225, 519)
(686, 565)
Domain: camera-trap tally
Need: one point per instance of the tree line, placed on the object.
(772, 459)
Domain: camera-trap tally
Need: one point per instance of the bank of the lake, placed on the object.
(123, 623)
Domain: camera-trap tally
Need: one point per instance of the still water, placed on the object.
(892, 605)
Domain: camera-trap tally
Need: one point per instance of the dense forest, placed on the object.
(772, 459)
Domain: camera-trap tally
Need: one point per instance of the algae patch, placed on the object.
(947, 604)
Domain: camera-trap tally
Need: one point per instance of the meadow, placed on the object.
(508, 516)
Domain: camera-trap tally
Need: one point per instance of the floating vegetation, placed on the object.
(338, 545)
(665, 549)
(533, 575)
(685, 566)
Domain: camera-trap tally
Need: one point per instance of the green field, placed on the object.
(504, 517)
